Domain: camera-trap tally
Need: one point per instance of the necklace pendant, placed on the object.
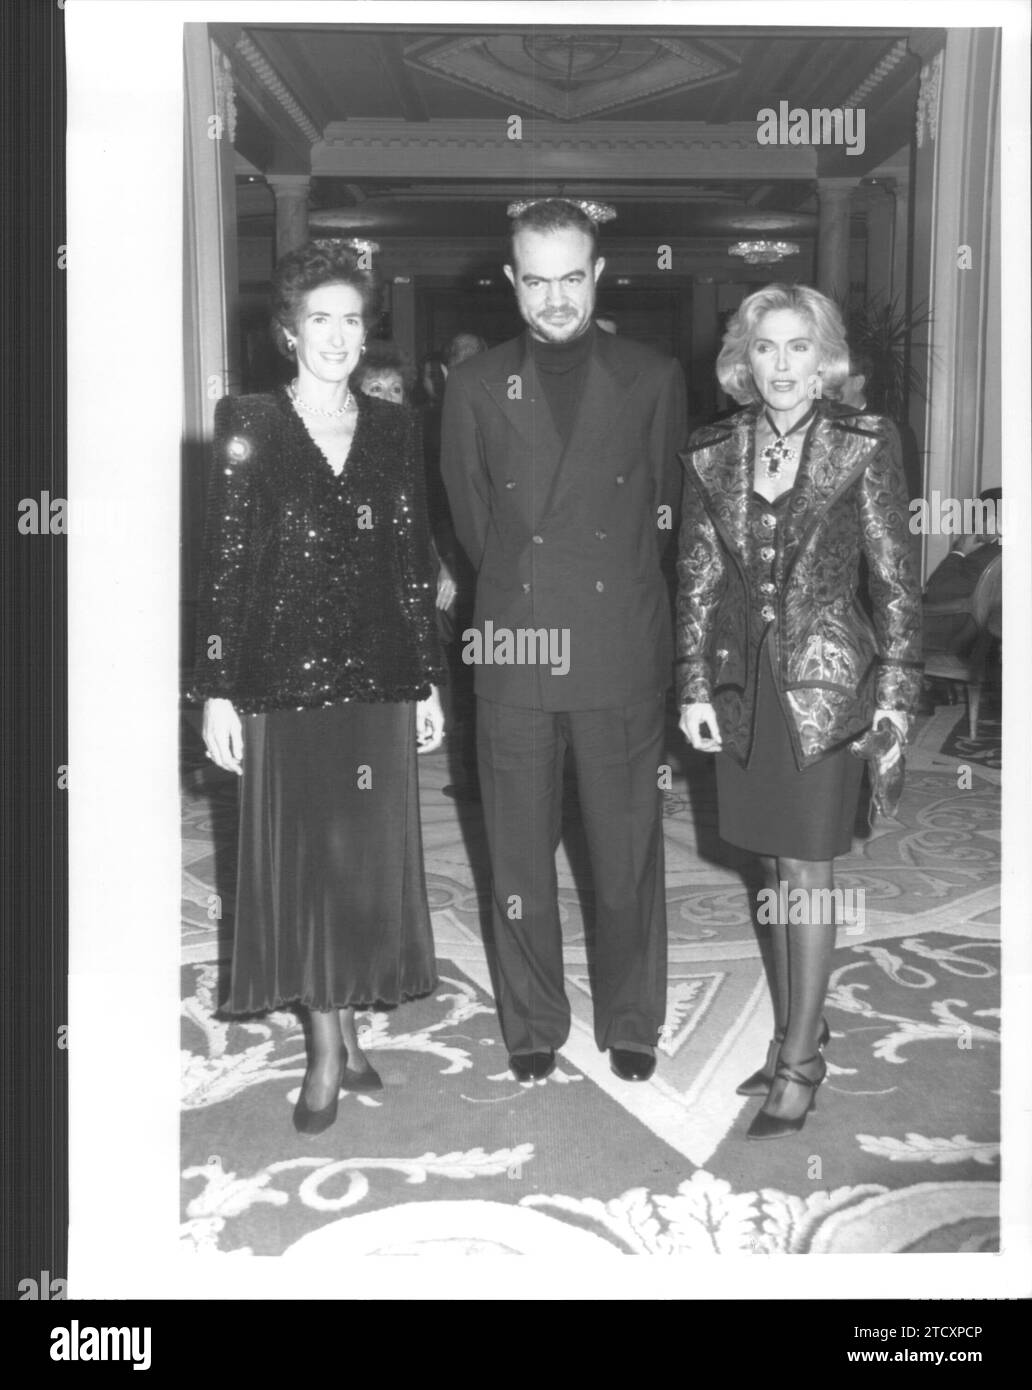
(773, 456)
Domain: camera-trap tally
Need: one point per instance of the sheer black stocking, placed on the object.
(356, 1058)
(325, 1061)
(808, 952)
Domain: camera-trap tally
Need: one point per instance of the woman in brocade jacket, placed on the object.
(317, 656)
(779, 668)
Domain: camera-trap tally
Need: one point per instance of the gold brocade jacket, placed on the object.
(799, 583)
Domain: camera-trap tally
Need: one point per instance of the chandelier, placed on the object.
(763, 252)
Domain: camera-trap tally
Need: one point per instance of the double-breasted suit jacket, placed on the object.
(799, 584)
(569, 539)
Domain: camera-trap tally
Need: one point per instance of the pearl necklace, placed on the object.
(318, 410)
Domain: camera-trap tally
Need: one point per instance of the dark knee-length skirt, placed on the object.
(331, 907)
(773, 808)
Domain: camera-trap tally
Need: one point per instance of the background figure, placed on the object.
(461, 347)
(779, 667)
(316, 656)
(384, 375)
(554, 490)
(953, 581)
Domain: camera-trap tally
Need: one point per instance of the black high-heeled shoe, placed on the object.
(308, 1121)
(368, 1079)
(767, 1126)
(761, 1081)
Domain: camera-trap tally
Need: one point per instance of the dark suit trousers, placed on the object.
(617, 754)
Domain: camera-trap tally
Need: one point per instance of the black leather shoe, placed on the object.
(532, 1066)
(630, 1065)
(314, 1121)
(766, 1126)
(366, 1080)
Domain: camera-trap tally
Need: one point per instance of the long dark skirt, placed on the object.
(773, 808)
(331, 906)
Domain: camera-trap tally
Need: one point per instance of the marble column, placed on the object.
(833, 200)
(291, 194)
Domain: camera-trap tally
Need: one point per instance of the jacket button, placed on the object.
(599, 585)
(601, 535)
(619, 479)
(767, 613)
(769, 519)
(510, 482)
(767, 587)
(526, 588)
(538, 540)
(767, 552)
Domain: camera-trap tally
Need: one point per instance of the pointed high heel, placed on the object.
(761, 1081)
(766, 1126)
(366, 1080)
(307, 1121)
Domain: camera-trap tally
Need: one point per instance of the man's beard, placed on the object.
(563, 331)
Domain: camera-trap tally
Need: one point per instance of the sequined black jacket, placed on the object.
(833, 668)
(315, 588)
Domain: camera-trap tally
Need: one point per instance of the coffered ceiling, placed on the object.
(307, 98)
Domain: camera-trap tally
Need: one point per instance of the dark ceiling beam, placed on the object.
(291, 149)
(784, 62)
(809, 75)
(413, 108)
(844, 74)
(727, 103)
(895, 115)
(293, 66)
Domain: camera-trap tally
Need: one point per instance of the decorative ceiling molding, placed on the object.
(547, 151)
(275, 86)
(878, 73)
(571, 74)
(225, 93)
(928, 100)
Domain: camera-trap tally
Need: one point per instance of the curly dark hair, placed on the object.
(311, 266)
(552, 215)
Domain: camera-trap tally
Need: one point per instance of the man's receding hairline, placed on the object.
(550, 232)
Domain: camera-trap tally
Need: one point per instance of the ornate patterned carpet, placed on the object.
(901, 1155)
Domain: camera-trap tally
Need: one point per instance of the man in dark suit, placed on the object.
(559, 456)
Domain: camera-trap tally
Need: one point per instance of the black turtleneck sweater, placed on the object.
(563, 368)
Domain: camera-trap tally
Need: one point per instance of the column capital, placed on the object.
(289, 185)
(835, 190)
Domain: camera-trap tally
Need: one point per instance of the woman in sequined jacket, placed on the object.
(779, 666)
(317, 657)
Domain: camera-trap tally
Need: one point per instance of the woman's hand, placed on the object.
(223, 735)
(902, 724)
(693, 719)
(429, 723)
(446, 588)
